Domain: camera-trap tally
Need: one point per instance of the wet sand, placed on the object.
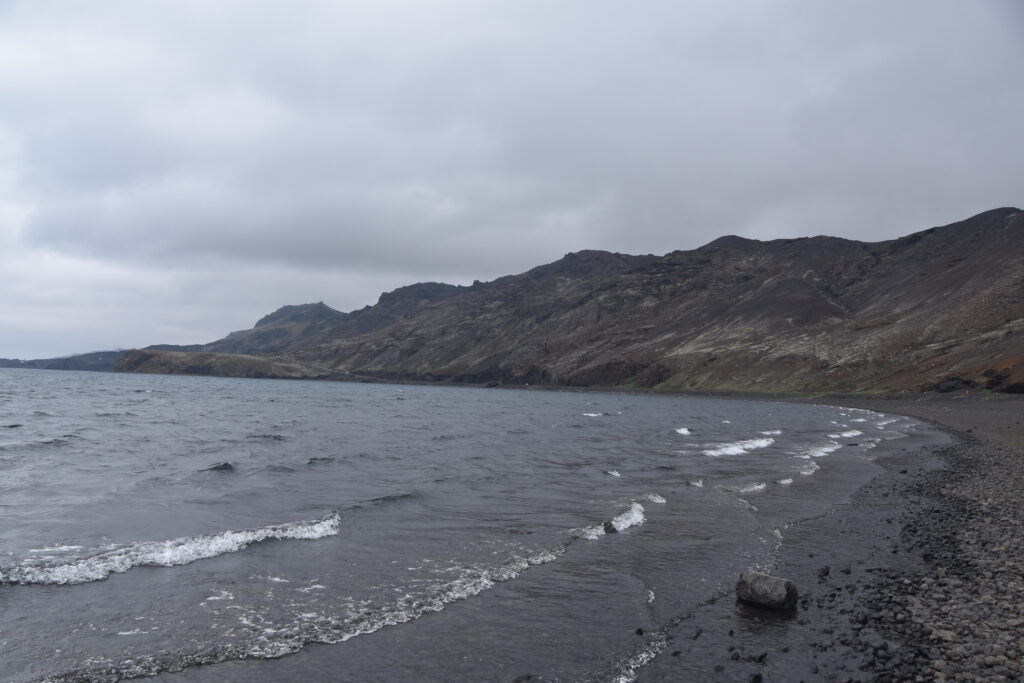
(917, 577)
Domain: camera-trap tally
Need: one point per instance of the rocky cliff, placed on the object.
(938, 309)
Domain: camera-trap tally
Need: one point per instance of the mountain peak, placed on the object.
(304, 313)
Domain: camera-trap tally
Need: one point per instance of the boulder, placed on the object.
(770, 592)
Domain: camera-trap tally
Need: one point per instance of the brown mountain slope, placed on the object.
(736, 314)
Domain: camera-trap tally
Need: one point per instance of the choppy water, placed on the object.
(152, 524)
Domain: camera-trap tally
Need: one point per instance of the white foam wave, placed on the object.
(628, 669)
(752, 488)
(222, 595)
(277, 640)
(772, 432)
(846, 435)
(739, 447)
(654, 498)
(809, 468)
(614, 473)
(698, 483)
(784, 482)
(591, 414)
(821, 451)
(634, 516)
(683, 430)
(171, 553)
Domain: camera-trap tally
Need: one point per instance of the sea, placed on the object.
(215, 529)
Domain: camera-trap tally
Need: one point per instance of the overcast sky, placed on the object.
(172, 171)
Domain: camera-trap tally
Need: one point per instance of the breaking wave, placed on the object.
(809, 468)
(269, 639)
(739, 447)
(820, 451)
(179, 551)
(634, 516)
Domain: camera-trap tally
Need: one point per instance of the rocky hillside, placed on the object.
(164, 362)
(938, 309)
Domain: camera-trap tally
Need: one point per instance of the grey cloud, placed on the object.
(331, 150)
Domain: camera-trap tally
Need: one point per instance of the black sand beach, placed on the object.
(918, 578)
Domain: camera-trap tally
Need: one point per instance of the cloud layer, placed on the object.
(170, 171)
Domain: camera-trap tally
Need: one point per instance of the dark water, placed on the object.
(377, 532)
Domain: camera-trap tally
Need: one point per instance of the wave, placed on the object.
(654, 498)
(683, 430)
(56, 549)
(820, 451)
(628, 669)
(614, 473)
(395, 498)
(772, 432)
(171, 553)
(633, 516)
(784, 482)
(846, 435)
(270, 640)
(42, 443)
(739, 447)
(809, 468)
(592, 414)
(699, 483)
(751, 488)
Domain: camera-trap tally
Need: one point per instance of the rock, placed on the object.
(770, 592)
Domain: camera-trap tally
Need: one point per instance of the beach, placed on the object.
(917, 577)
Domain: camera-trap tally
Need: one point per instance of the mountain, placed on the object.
(99, 361)
(939, 309)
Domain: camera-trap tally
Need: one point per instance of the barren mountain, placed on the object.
(942, 308)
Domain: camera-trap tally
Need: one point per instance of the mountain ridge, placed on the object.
(940, 305)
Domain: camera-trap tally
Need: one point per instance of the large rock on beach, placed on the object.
(763, 590)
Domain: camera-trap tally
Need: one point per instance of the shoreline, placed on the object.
(916, 577)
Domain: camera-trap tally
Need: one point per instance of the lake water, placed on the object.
(296, 531)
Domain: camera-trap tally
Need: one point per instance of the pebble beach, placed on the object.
(919, 577)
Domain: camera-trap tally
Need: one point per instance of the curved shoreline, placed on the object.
(917, 577)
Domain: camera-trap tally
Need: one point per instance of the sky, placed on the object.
(174, 170)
